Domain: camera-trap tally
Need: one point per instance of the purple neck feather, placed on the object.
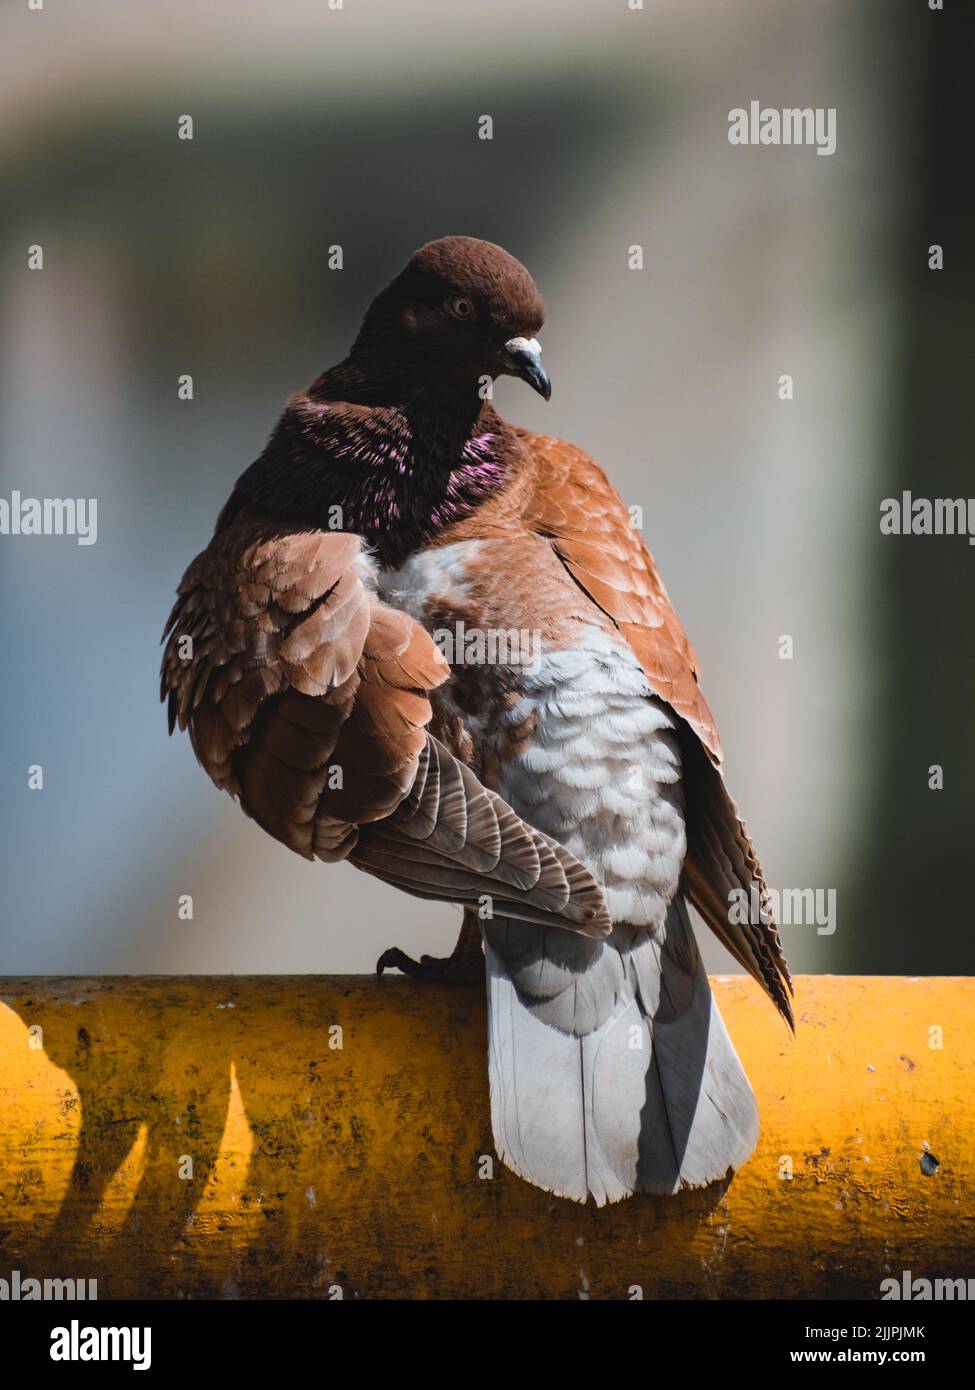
(400, 498)
(395, 472)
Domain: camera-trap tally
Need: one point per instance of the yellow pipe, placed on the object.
(330, 1136)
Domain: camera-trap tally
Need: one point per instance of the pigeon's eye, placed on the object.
(460, 306)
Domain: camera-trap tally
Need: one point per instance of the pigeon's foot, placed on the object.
(464, 967)
(444, 970)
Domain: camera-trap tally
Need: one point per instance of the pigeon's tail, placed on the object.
(611, 1068)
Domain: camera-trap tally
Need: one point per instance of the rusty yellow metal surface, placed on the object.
(330, 1137)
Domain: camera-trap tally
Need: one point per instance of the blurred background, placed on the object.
(358, 127)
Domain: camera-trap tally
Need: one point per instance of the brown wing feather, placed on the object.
(721, 860)
(308, 700)
(574, 505)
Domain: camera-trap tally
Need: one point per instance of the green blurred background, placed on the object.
(357, 127)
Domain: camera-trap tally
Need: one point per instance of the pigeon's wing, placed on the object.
(574, 506)
(307, 699)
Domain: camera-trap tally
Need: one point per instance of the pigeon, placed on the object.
(431, 643)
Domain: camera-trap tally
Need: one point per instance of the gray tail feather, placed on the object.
(611, 1069)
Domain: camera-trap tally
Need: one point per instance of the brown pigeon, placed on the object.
(559, 776)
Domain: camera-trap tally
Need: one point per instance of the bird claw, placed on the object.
(446, 970)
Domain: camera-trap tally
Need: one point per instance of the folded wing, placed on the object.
(576, 508)
(307, 700)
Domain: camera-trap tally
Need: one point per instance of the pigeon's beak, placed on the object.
(525, 360)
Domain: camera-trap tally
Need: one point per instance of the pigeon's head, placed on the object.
(461, 310)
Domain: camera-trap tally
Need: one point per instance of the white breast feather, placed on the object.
(602, 771)
(602, 774)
